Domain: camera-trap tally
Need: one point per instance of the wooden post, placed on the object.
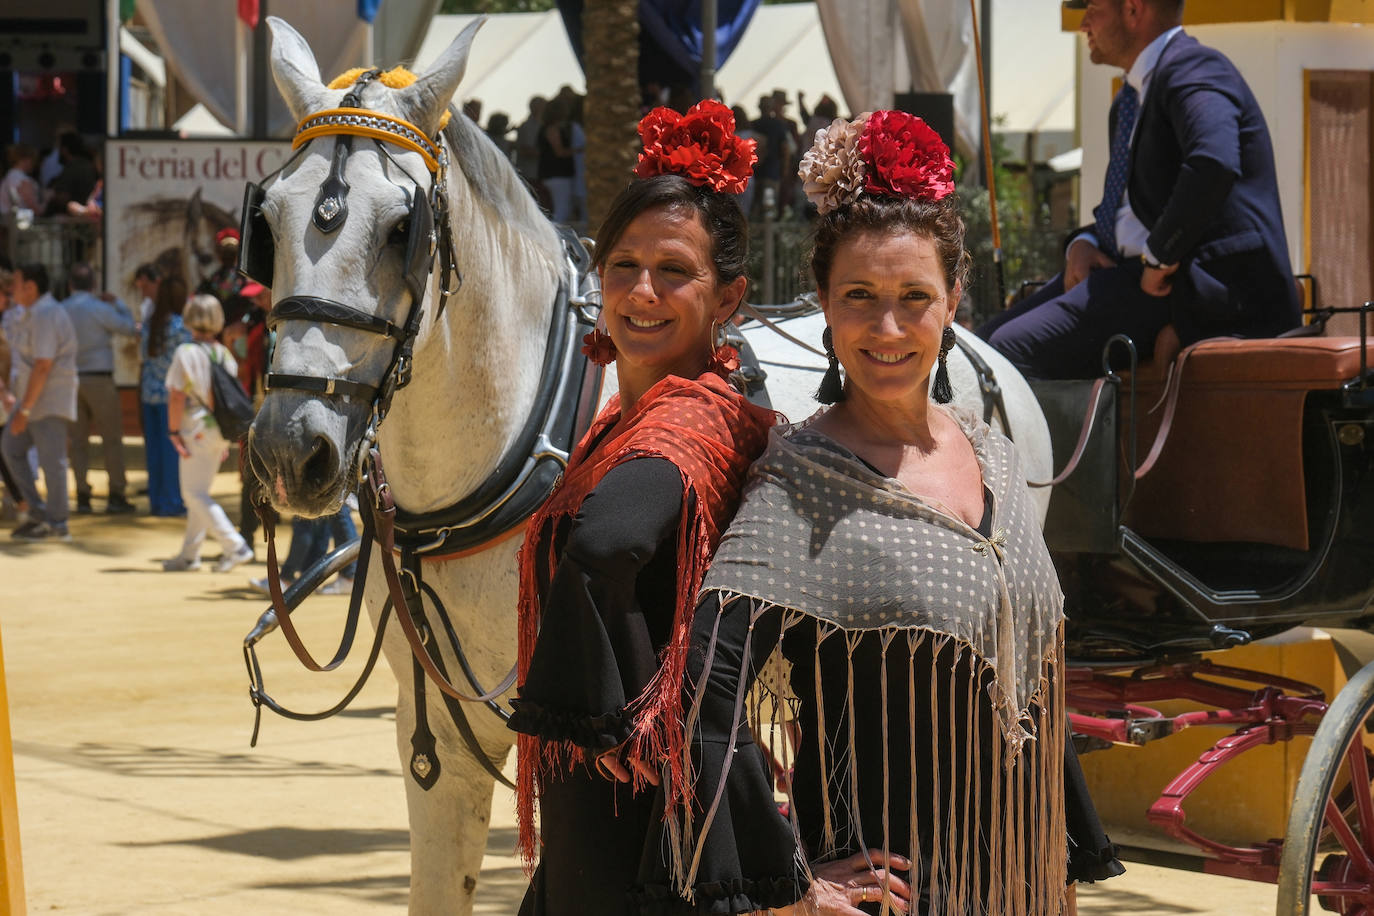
(11, 868)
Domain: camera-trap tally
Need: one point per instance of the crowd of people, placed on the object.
(57, 391)
(66, 181)
(548, 147)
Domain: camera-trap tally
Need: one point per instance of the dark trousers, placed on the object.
(310, 542)
(1055, 334)
(11, 486)
(97, 409)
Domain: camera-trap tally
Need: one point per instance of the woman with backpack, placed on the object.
(198, 439)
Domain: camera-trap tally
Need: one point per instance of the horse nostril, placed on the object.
(319, 469)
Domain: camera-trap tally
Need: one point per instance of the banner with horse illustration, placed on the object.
(164, 202)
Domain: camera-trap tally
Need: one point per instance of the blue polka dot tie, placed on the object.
(1124, 109)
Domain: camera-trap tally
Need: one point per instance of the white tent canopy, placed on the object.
(518, 55)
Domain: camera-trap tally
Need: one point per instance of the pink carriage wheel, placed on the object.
(1328, 849)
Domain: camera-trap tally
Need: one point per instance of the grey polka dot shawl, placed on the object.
(828, 542)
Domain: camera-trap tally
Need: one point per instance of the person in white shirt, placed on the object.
(18, 189)
(41, 402)
(197, 439)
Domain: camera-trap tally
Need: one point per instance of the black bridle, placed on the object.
(427, 230)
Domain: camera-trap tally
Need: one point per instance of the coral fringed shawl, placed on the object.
(823, 543)
(711, 433)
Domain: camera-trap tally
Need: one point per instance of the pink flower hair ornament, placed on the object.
(885, 153)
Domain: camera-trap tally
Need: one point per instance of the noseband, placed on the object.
(427, 232)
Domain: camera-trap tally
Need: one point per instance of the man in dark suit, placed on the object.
(1189, 233)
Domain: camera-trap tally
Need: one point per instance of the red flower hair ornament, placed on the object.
(701, 146)
(886, 153)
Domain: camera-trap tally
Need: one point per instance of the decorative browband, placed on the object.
(360, 122)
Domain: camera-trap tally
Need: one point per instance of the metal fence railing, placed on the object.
(56, 242)
(776, 253)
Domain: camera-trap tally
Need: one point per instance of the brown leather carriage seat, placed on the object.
(1231, 466)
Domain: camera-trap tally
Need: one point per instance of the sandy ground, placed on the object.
(138, 791)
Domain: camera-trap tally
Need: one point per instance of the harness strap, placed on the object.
(314, 308)
(1172, 388)
(322, 385)
(257, 687)
(424, 757)
(987, 384)
(383, 509)
(754, 313)
(424, 764)
(1084, 434)
(288, 628)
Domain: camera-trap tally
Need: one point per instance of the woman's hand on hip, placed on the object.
(838, 887)
(611, 766)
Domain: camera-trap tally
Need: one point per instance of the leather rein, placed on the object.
(564, 406)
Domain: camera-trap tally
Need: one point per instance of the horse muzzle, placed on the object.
(302, 452)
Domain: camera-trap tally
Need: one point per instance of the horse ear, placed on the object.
(426, 99)
(295, 70)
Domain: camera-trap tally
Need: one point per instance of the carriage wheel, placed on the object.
(1330, 837)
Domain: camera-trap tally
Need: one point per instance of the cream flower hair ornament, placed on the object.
(888, 153)
(832, 171)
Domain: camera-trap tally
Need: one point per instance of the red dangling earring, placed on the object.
(598, 347)
(724, 358)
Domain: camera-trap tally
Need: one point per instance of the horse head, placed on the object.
(346, 236)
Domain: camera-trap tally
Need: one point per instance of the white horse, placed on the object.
(476, 368)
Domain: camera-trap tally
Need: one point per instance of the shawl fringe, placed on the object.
(1025, 874)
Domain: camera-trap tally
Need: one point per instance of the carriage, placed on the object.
(1222, 498)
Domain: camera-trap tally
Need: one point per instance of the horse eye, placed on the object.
(400, 233)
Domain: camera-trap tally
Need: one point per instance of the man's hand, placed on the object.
(1082, 258)
(19, 422)
(1158, 281)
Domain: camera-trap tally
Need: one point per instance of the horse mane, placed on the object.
(495, 181)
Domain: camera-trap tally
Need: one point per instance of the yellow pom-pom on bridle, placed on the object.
(395, 78)
(360, 122)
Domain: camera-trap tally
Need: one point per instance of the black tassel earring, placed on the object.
(942, 392)
(832, 386)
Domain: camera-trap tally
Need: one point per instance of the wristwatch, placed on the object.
(23, 411)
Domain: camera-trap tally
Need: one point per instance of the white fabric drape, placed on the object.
(881, 47)
(197, 40)
(861, 37)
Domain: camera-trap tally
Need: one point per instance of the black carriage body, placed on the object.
(1257, 516)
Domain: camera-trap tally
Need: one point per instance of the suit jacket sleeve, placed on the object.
(1206, 125)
